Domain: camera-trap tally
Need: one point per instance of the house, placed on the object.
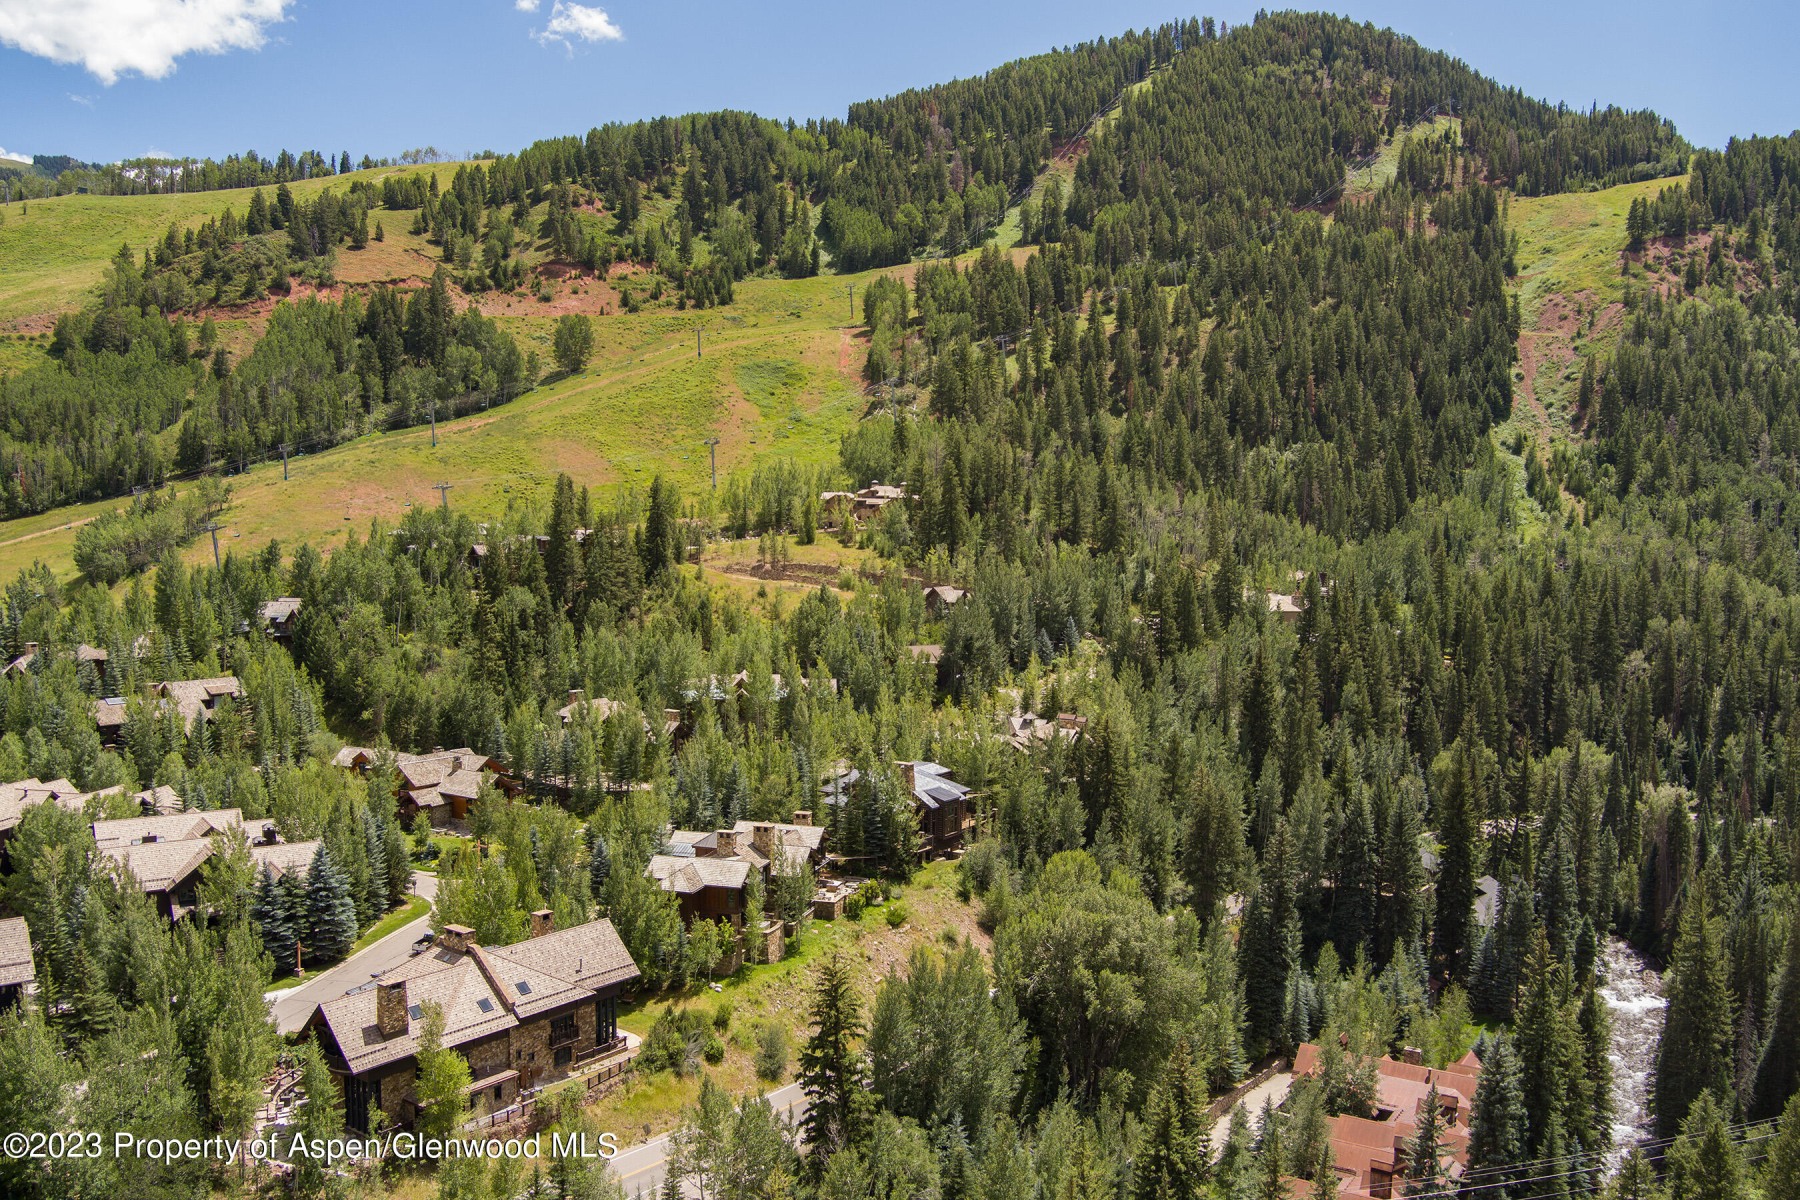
(708, 889)
(834, 507)
(522, 1016)
(191, 700)
(278, 616)
(942, 806)
(939, 803)
(941, 599)
(599, 710)
(1370, 1153)
(1286, 609)
(1025, 730)
(30, 652)
(1487, 901)
(871, 500)
(15, 798)
(165, 853)
(926, 652)
(18, 976)
(441, 784)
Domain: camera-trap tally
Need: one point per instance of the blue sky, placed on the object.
(379, 76)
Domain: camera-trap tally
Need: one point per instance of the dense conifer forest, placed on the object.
(1211, 380)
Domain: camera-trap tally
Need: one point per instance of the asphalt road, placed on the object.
(642, 1169)
(294, 1005)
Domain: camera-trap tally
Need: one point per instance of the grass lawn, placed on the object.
(779, 992)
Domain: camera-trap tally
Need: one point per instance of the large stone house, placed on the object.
(708, 889)
(522, 1015)
(17, 974)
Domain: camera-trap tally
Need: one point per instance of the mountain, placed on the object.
(1323, 512)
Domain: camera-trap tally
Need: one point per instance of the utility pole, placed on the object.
(213, 528)
(712, 445)
(698, 352)
(443, 491)
(284, 471)
(434, 422)
(850, 294)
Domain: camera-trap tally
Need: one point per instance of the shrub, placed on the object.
(771, 1053)
(896, 915)
(678, 1040)
(721, 1017)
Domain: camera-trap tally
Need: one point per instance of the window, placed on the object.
(485, 1005)
(565, 1055)
(563, 1030)
(498, 1089)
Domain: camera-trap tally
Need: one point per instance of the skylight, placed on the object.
(524, 988)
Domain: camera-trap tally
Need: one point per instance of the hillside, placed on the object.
(1274, 557)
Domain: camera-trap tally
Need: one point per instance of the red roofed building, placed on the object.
(1370, 1154)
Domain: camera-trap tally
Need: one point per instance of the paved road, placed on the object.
(642, 1169)
(294, 1005)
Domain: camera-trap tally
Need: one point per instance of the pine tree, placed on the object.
(1424, 1153)
(1705, 1163)
(330, 912)
(1781, 1169)
(1173, 1157)
(1548, 1042)
(274, 920)
(1500, 1130)
(832, 1072)
(1694, 1055)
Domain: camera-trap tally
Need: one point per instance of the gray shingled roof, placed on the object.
(15, 952)
(557, 968)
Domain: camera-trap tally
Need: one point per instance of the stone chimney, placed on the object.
(542, 922)
(803, 816)
(1412, 1056)
(727, 842)
(762, 836)
(910, 771)
(574, 695)
(456, 937)
(391, 1016)
(31, 647)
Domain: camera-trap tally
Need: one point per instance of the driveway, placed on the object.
(292, 1006)
(642, 1169)
(1273, 1089)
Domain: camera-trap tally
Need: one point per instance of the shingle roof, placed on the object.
(15, 798)
(194, 696)
(15, 952)
(159, 866)
(557, 968)
(284, 857)
(175, 827)
(688, 875)
(808, 837)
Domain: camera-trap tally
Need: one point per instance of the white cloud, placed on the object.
(572, 21)
(84, 101)
(9, 156)
(526, 5)
(118, 37)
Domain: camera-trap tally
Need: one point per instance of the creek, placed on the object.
(1634, 1000)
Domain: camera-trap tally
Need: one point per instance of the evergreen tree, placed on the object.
(1424, 1152)
(1499, 1126)
(1705, 1163)
(274, 920)
(1694, 1055)
(330, 912)
(1174, 1153)
(832, 1072)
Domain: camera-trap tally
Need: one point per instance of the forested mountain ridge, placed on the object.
(1240, 484)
